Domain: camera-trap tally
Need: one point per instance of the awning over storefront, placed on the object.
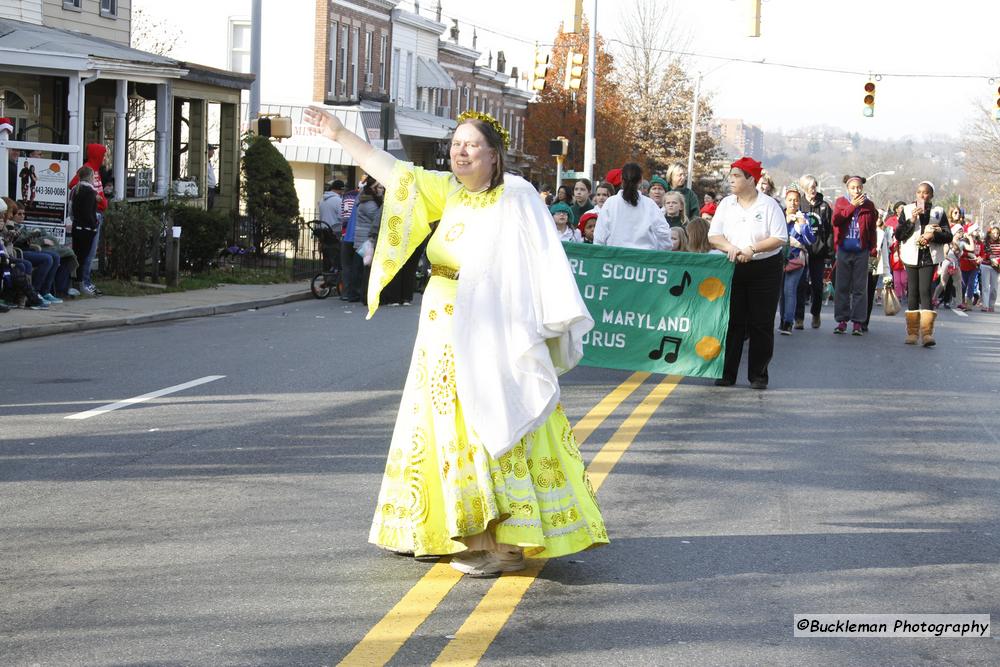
(303, 146)
(430, 74)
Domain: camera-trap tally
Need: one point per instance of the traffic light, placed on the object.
(574, 70)
(274, 127)
(541, 69)
(559, 147)
(869, 110)
(755, 18)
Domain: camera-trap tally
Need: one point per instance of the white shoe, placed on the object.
(72, 291)
(487, 563)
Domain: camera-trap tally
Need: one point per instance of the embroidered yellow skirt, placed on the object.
(440, 483)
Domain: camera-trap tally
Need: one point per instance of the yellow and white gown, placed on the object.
(441, 485)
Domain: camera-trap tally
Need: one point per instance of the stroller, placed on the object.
(329, 280)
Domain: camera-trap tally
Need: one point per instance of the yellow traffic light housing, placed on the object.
(869, 109)
(574, 70)
(541, 69)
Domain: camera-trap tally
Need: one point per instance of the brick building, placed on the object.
(352, 60)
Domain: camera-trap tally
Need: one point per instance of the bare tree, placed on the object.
(982, 161)
(657, 89)
(158, 37)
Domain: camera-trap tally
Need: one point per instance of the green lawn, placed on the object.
(200, 281)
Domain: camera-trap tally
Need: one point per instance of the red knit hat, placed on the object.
(750, 166)
(709, 209)
(589, 215)
(614, 177)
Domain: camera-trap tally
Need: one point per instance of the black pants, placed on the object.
(811, 285)
(402, 286)
(83, 240)
(918, 295)
(753, 302)
(872, 281)
(329, 245)
(353, 271)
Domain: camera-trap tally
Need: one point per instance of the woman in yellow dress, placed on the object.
(483, 464)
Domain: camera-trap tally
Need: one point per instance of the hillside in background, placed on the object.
(829, 153)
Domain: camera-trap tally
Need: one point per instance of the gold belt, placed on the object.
(444, 272)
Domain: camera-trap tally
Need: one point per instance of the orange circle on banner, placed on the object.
(711, 288)
(54, 168)
(708, 348)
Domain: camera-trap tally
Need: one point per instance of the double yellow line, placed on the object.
(482, 626)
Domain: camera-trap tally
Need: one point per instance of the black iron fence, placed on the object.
(253, 245)
(233, 242)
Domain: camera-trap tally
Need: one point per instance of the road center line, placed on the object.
(491, 614)
(145, 397)
(385, 639)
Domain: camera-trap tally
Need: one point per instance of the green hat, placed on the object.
(656, 180)
(563, 207)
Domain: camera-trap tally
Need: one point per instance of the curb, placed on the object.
(38, 330)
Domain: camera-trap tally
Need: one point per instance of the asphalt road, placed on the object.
(226, 524)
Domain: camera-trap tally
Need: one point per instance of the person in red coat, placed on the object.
(855, 236)
(95, 158)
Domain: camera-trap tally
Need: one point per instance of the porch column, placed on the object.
(164, 105)
(229, 157)
(74, 104)
(121, 147)
(197, 144)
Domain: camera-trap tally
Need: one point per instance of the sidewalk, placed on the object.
(115, 311)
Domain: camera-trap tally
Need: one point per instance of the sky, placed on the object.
(890, 38)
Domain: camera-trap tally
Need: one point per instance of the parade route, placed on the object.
(227, 523)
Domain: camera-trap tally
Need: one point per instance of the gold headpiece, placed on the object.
(491, 121)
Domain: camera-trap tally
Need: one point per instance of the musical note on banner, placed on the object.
(677, 290)
(669, 357)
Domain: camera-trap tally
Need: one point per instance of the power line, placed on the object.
(469, 22)
(808, 68)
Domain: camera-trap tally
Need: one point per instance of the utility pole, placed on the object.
(589, 140)
(694, 130)
(254, 109)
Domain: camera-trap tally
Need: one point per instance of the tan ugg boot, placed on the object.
(927, 318)
(912, 326)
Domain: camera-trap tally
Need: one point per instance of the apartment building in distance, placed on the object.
(739, 138)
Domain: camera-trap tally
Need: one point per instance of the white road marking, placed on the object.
(145, 397)
(960, 313)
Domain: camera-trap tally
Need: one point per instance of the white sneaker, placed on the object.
(89, 289)
(72, 291)
(487, 563)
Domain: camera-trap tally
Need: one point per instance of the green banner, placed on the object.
(665, 312)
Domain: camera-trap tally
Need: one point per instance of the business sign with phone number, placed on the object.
(42, 192)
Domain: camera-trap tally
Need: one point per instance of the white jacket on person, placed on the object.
(909, 250)
(641, 226)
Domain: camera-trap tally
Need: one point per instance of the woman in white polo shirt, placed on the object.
(750, 228)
